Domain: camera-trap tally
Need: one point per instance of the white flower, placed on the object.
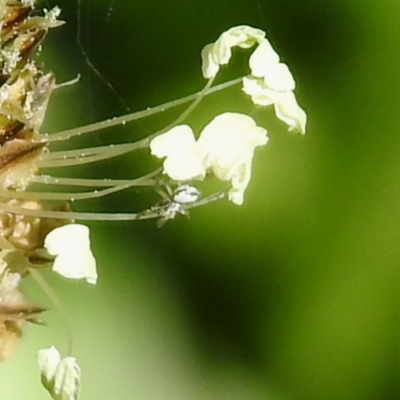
(219, 53)
(70, 244)
(270, 82)
(61, 377)
(225, 147)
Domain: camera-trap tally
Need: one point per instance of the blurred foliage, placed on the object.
(294, 295)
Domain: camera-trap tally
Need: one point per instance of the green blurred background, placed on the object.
(294, 295)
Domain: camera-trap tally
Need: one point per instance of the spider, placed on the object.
(176, 201)
(173, 202)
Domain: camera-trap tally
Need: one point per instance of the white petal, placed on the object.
(222, 49)
(66, 238)
(243, 36)
(288, 111)
(236, 196)
(227, 135)
(262, 57)
(209, 66)
(260, 94)
(240, 181)
(228, 143)
(177, 139)
(185, 165)
(219, 132)
(48, 360)
(71, 246)
(77, 265)
(286, 107)
(67, 379)
(238, 153)
(184, 160)
(278, 77)
(219, 53)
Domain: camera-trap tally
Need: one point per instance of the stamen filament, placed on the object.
(87, 152)
(67, 134)
(51, 180)
(61, 196)
(106, 153)
(57, 304)
(100, 216)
